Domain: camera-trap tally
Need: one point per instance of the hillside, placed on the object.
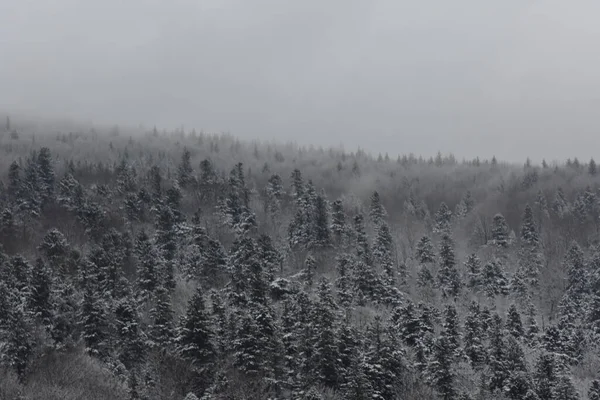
(144, 264)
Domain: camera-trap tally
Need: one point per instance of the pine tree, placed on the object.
(128, 332)
(326, 354)
(514, 325)
(442, 370)
(363, 250)
(38, 302)
(338, 221)
(473, 268)
(517, 383)
(424, 251)
(497, 356)
(560, 205)
(500, 231)
(46, 175)
(194, 336)
(343, 283)
(321, 229)
(473, 336)
(443, 218)
(529, 234)
(450, 332)
(148, 266)
(19, 343)
(493, 281)
(544, 376)
(448, 275)
(94, 323)
(185, 170)
(161, 314)
(574, 264)
(377, 211)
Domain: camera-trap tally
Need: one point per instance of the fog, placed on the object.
(514, 78)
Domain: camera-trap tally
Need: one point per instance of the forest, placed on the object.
(141, 263)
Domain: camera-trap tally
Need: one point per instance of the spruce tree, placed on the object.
(514, 325)
(424, 251)
(377, 211)
(40, 287)
(161, 314)
(129, 333)
(195, 336)
(529, 234)
(18, 342)
(443, 218)
(184, 169)
(448, 276)
(500, 231)
(473, 268)
(322, 235)
(442, 371)
(473, 336)
(338, 222)
(94, 323)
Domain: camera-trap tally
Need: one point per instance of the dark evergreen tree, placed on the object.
(442, 371)
(338, 222)
(343, 283)
(497, 356)
(473, 336)
(514, 325)
(326, 352)
(185, 170)
(94, 323)
(517, 383)
(473, 268)
(363, 250)
(322, 235)
(451, 330)
(377, 212)
(194, 337)
(545, 376)
(448, 276)
(46, 175)
(18, 342)
(130, 338)
(424, 251)
(443, 218)
(529, 234)
(500, 231)
(493, 281)
(40, 286)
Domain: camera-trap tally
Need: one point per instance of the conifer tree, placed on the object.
(529, 234)
(338, 222)
(343, 283)
(94, 323)
(451, 327)
(40, 288)
(443, 218)
(473, 268)
(363, 250)
(326, 352)
(493, 281)
(377, 211)
(194, 336)
(500, 231)
(128, 332)
(322, 234)
(19, 343)
(442, 371)
(517, 383)
(424, 251)
(574, 264)
(46, 175)
(184, 169)
(514, 325)
(545, 376)
(560, 206)
(161, 314)
(448, 275)
(497, 355)
(473, 336)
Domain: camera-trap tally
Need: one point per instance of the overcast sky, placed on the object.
(514, 78)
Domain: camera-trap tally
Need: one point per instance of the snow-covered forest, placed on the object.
(144, 264)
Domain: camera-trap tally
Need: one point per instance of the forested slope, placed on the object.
(138, 264)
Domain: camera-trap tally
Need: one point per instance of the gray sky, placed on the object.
(512, 78)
